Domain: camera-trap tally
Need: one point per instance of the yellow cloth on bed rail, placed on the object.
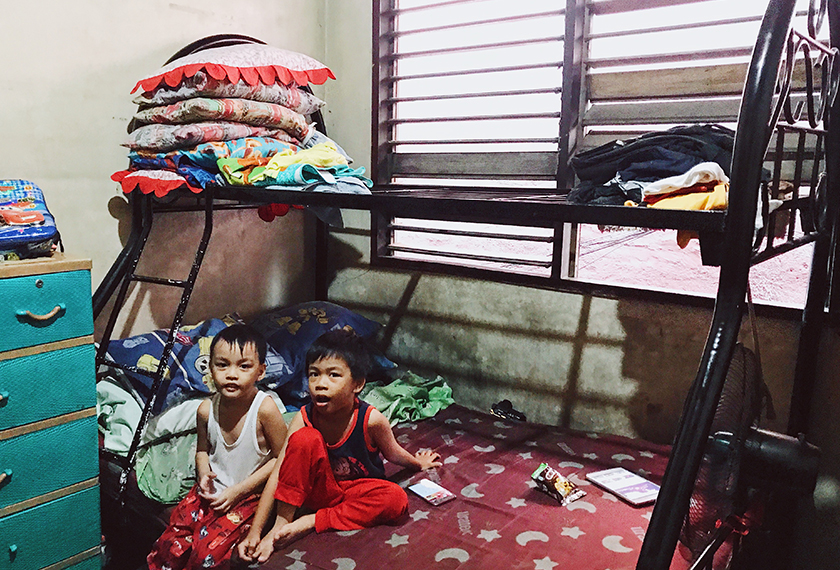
(717, 199)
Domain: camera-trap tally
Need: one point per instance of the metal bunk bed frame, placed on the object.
(765, 109)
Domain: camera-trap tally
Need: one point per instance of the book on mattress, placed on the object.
(633, 488)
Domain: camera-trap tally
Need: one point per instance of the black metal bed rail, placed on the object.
(764, 102)
(124, 274)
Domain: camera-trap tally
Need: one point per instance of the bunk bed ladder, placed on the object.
(122, 276)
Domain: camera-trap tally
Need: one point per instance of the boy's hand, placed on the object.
(247, 549)
(226, 499)
(428, 459)
(264, 549)
(206, 487)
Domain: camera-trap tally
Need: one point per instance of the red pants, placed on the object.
(306, 479)
(199, 537)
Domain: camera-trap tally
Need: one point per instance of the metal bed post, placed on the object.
(187, 285)
(814, 314)
(748, 154)
(126, 264)
(322, 264)
(138, 234)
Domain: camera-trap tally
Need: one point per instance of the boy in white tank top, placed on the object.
(240, 434)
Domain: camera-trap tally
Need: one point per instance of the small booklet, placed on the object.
(431, 492)
(633, 488)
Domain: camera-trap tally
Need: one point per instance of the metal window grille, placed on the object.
(474, 94)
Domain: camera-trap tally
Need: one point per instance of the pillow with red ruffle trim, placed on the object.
(159, 182)
(202, 85)
(254, 63)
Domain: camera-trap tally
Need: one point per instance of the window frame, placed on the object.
(571, 129)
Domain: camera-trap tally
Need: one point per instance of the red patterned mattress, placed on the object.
(499, 519)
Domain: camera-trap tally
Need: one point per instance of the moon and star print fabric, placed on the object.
(499, 518)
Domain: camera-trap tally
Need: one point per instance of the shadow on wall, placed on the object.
(662, 348)
(620, 366)
(249, 266)
(662, 351)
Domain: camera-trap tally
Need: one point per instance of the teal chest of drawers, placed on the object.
(49, 469)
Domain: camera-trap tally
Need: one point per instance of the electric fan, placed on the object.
(715, 497)
(743, 464)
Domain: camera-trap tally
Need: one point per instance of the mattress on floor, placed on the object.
(499, 519)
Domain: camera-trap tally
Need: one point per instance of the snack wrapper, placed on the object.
(550, 481)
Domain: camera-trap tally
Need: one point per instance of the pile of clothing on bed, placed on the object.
(166, 457)
(646, 170)
(682, 168)
(237, 115)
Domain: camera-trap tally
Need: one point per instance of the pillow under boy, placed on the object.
(253, 63)
(253, 113)
(291, 330)
(202, 85)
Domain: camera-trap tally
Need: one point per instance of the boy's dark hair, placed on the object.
(344, 344)
(241, 336)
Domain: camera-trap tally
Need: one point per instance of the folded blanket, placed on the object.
(205, 155)
(163, 138)
(255, 113)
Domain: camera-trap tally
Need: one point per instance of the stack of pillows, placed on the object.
(233, 115)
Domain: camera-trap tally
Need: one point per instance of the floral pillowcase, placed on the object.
(255, 113)
(163, 138)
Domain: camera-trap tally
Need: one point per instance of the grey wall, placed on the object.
(622, 366)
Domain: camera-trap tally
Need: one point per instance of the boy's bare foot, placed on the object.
(293, 531)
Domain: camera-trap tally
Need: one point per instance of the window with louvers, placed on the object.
(478, 94)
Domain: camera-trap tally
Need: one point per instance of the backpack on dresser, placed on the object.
(27, 229)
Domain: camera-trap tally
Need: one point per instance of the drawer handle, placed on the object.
(30, 315)
(7, 474)
(4, 397)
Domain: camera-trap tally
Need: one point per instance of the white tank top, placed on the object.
(234, 462)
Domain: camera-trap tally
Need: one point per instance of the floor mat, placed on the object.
(499, 518)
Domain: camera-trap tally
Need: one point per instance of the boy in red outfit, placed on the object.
(332, 462)
(240, 434)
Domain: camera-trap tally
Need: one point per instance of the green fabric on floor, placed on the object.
(409, 397)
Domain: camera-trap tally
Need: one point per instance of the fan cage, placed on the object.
(716, 493)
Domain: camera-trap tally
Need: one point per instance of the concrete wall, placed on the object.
(68, 68)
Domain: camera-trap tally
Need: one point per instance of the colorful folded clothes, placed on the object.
(320, 164)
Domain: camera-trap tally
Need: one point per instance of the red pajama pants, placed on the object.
(306, 479)
(199, 537)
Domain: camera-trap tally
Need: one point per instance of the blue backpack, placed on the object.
(27, 229)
